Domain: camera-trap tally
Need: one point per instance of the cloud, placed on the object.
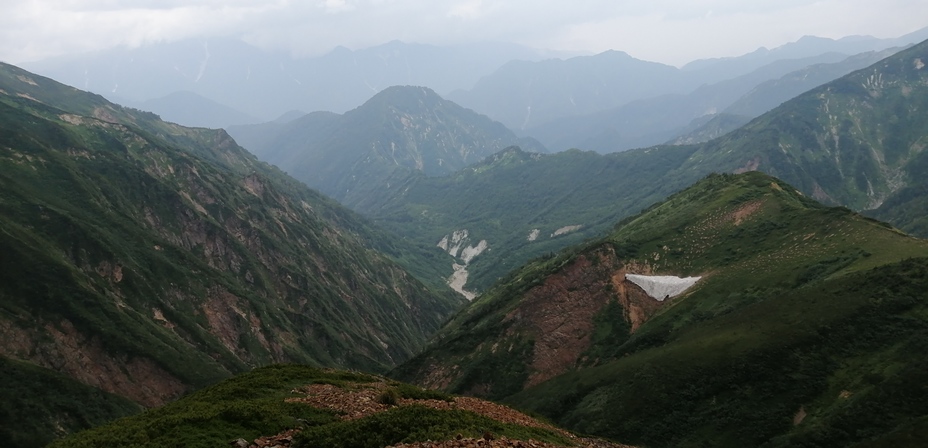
(664, 30)
(468, 10)
(33, 30)
(723, 28)
(336, 6)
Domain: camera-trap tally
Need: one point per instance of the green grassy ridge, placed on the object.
(88, 229)
(252, 404)
(789, 248)
(38, 405)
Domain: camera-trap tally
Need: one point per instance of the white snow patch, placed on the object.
(454, 242)
(443, 244)
(459, 279)
(565, 230)
(662, 287)
(470, 252)
(533, 235)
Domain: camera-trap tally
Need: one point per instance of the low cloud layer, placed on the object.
(670, 31)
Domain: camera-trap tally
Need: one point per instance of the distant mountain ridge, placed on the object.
(806, 46)
(524, 94)
(652, 121)
(399, 131)
(190, 109)
(266, 84)
(529, 96)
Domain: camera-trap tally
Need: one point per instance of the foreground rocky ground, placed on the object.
(360, 400)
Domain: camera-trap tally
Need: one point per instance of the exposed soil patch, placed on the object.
(560, 312)
(745, 211)
(459, 279)
(66, 350)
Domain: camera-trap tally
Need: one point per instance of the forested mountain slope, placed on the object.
(147, 259)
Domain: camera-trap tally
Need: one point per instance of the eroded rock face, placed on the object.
(558, 317)
(638, 305)
(560, 313)
(62, 348)
(457, 245)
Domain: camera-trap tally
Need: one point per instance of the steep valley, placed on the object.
(147, 259)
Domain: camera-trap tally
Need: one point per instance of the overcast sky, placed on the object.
(669, 31)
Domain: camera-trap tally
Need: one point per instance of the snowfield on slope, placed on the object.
(662, 287)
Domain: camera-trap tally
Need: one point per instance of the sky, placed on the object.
(668, 31)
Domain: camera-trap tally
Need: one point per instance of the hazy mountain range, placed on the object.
(265, 85)
(732, 288)
(502, 81)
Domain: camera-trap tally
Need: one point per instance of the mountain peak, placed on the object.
(397, 94)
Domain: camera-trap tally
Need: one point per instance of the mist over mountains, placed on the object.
(521, 87)
(267, 84)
